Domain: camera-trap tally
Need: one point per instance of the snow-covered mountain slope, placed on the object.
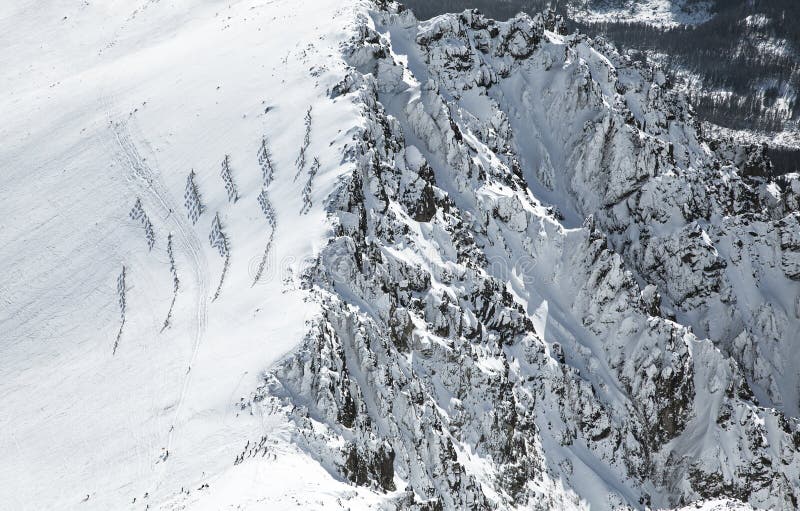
(736, 60)
(109, 105)
(319, 254)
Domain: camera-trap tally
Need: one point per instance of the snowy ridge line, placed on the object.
(525, 280)
(443, 381)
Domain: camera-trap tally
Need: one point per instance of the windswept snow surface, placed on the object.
(108, 102)
(319, 254)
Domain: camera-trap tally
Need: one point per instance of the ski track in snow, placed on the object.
(231, 351)
(147, 180)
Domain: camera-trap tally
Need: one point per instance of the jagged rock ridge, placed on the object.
(544, 288)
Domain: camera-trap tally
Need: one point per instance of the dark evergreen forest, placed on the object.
(747, 57)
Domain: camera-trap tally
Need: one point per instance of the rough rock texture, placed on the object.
(544, 288)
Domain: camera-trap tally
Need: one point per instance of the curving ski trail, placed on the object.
(150, 183)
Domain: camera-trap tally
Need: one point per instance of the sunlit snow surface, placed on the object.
(107, 102)
(128, 372)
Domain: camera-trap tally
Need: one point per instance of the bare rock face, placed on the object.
(543, 287)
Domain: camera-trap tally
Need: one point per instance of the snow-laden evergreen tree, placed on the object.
(312, 172)
(217, 237)
(227, 178)
(268, 174)
(122, 302)
(269, 214)
(193, 202)
(173, 269)
(138, 214)
(267, 208)
(300, 162)
(219, 240)
(265, 162)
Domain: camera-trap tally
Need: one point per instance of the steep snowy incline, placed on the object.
(320, 254)
(480, 344)
(131, 321)
(707, 224)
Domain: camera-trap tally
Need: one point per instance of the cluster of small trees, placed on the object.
(122, 302)
(137, 214)
(267, 208)
(784, 159)
(268, 175)
(265, 162)
(307, 202)
(173, 269)
(251, 451)
(219, 240)
(227, 178)
(301, 165)
(301, 158)
(217, 237)
(192, 200)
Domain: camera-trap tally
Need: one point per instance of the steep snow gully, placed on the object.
(461, 264)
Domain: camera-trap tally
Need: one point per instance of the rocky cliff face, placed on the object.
(544, 288)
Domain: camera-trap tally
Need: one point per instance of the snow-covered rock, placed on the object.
(506, 271)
